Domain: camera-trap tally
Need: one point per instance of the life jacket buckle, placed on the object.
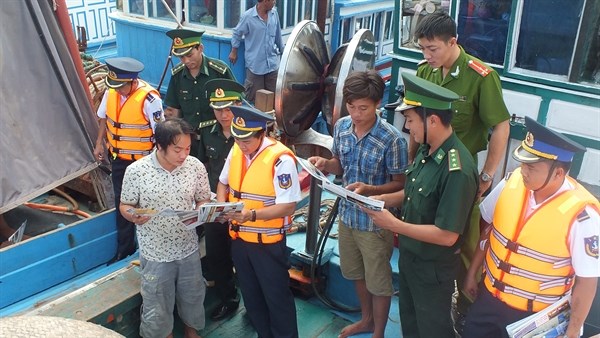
(499, 285)
(504, 266)
(512, 246)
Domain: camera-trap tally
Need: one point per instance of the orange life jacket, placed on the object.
(254, 186)
(129, 133)
(528, 265)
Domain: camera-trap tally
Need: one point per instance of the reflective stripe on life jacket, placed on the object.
(254, 186)
(128, 131)
(528, 264)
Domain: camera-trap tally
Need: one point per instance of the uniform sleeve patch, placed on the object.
(479, 68)
(285, 181)
(150, 97)
(583, 216)
(157, 115)
(591, 246)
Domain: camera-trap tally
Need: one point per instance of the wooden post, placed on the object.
(322, 14)
(264, 100)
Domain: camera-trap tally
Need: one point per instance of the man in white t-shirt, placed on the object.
(540, 243)
(171, 271)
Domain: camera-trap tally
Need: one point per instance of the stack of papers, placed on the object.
(549, 323)
(350, 196)
(207, 212)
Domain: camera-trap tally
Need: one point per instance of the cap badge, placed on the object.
(240, 122)
(177, 41)
(112, 75)
(219, 92)
(529, 139)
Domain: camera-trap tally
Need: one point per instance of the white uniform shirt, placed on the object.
(581, 235)
(148, 185)
(153, 108)
(287, 166)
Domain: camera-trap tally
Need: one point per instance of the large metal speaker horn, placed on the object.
(307, 82)
(299, 80)
(356, 55)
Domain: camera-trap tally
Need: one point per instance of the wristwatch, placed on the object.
(485, 177)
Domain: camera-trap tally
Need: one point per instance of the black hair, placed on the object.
(363, 84)
(445, 115)
(566, 166)
(436, 25)
(167, 132)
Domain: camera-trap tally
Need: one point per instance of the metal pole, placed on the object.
(171, 13)
(312, 222)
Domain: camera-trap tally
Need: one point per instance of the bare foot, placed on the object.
(190, 332)
(356, 328)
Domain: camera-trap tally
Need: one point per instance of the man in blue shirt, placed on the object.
(260, 28)
(371, 155)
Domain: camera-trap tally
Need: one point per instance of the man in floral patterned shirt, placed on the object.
(170, 263)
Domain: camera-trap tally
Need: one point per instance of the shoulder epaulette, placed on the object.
(422, 62)
(177, 68)
(205, 124)
(583, 215)
(217, 65)
(454, 160)
(150, 97)
(480, 68)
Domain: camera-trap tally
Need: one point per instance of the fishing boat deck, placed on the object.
(113, 301)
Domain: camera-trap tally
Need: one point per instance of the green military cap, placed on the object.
(422, 93)
(544, 143)
(404, 106)
(223, 92)
(122, 70)
(184, 40)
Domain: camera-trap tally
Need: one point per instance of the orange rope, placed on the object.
(50, 207)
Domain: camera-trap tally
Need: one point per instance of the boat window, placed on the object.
(292, 12)
(234, 11)
(412, 13)
(137, 7)
(482, 25)
(204, 11)
(549, 40)
(570, 49)
(483, 28)
(158, 10)
(379, 23)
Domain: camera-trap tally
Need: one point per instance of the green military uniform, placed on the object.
(480, 106)
(440, 189)
(213, 150)
(188, 93)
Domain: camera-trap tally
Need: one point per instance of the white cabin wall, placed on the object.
(580, 120)
(522, 104)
